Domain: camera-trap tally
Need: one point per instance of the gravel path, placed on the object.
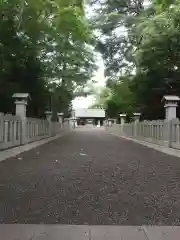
(90, 177)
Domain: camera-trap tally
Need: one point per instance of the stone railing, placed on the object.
(61, 128)
(15, 132)
(166, 133)
(175, 134)
(20, 130)
(37, 129)
(163, 132)
(10, 131)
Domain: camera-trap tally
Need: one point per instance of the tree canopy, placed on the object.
(47, 49)
(44, 48)
(140, 46)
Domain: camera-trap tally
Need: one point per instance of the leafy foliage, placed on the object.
(115, 21)
(150, 45)
(43, 42)
(117, 98)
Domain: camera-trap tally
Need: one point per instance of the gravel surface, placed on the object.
(90, 177)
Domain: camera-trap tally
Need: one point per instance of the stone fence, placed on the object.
(13, 134)
(166, 133)
(163, 132)
(10, 131)
(19, 130)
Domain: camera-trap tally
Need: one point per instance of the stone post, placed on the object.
(73, 113)
(21, 105)
(9, 128)
(122, 121)
(60, 117)
(73, 122)
(122, 118)
(1, 124)
(136, 117)
(109, 122)
(73, 119)
(48, 117)
(170, 105)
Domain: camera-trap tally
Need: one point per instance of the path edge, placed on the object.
(13, 152)
(166, 150)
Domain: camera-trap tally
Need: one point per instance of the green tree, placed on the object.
(115, 21)
(43, 42)
(116, 98)
(158, 60)
(150, 45)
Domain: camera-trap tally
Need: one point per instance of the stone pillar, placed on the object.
(73, 113)
(99, 123)
(60, 117)
(48, 117)
(21, 104)
(170, 105)
(73, 121)
(1, 122)
(122, 121)
(109, 122)
(122, 118)
(136, 117)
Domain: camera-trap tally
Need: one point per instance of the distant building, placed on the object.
(89, 116)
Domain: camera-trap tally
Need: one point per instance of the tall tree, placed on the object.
(115, 21)
(42, 42)
(150, 44)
